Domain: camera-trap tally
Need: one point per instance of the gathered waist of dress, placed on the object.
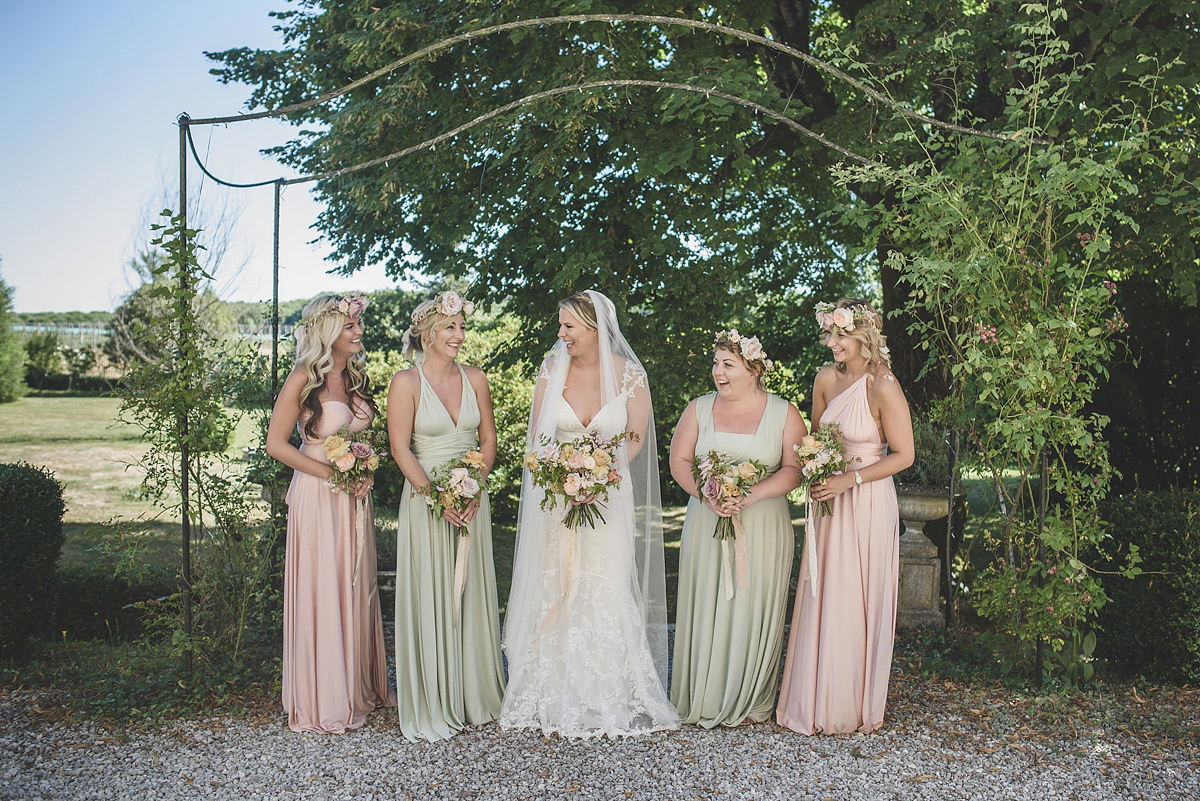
(442, 448)
(868, 452)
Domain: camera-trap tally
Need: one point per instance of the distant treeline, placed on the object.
(33, 318)
(243, 312)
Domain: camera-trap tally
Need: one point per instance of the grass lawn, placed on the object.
(97, 459)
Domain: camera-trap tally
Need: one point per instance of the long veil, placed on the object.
(648, 583)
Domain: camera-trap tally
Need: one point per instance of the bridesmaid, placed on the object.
(334, 661)
(728, 638)
(448, 669)
(844, 624)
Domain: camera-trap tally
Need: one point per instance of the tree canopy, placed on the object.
(693, 212)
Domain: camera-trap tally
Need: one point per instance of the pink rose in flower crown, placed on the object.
(451, 304)
(752, 349)
(843, 319)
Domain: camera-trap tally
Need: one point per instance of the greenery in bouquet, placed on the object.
(580, 472)
(719, 478)
(820, 455)
(454, 485)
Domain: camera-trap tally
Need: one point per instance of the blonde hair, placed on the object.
(581, 306)
(429, 320)
(322, 324)
(868, 331)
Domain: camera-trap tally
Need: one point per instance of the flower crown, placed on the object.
(351, 305)
(749, 348)
(448, 303)
(846, 319)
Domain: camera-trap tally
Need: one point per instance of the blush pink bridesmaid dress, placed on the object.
(839, 657)
(334, 662)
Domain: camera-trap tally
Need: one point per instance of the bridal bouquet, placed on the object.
(581, 472)
(455, 484)
(720, 477)
(352, 460)
(820, 456)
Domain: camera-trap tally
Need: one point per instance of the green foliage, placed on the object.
(81, 361)
(1152, 626)
(96, 602)
(133, 329)
(138, 683)
(43, 357)
(591, 191)
(177, 397)
(31, 540)
(1001, 244)
(12, 358)
(691, 212)
(931, 465)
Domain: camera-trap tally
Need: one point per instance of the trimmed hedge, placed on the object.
(1151, 624)
(31, 540)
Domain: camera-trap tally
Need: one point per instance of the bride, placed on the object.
(585, 631)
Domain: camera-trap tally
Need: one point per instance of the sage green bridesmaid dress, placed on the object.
(726, 658)
(448, 668)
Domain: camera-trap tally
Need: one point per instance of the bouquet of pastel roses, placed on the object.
(581, 472)
(821, 455)
(720, 477)
(455, 484)
(352, 460)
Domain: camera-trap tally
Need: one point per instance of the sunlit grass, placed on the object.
(98, 460)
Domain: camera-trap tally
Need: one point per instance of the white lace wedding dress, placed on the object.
(590, 671)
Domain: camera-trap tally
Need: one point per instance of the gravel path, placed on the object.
(923, 752)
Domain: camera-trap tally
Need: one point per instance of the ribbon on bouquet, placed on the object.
(734, 560)
(570, 563)
(360, 536)
(810, 546)
(460, 570)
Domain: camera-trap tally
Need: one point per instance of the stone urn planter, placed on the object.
(919, 602)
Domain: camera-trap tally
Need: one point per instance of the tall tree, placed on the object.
(690, 210)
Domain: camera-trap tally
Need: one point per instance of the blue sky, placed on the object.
(89, 146)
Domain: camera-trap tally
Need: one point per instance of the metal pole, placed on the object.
(275, 301)
(1043, 505)
(184, 456)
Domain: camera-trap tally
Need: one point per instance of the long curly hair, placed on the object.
(322, 324)
(868, 330)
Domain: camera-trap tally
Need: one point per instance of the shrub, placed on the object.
(31, 541)
(1152, 622)
(94, 602)
(12, 356)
